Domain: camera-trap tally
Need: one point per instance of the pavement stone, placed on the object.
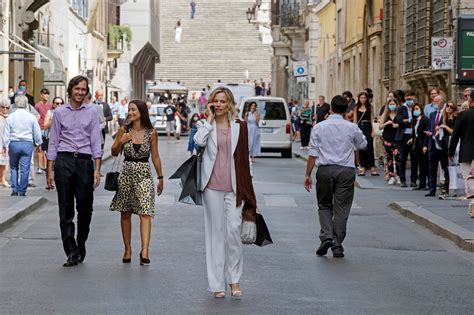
(447, 218)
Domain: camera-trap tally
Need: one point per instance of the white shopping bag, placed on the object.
(456, 181)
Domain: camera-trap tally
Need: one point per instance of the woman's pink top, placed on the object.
(221, 174)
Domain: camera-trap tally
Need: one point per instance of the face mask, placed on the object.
(409, 102)
(392, 107)
(416, 113)
(22, 88)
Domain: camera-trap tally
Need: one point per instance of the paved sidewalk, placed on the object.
(448, 218)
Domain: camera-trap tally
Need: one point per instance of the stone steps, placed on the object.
(218, 44)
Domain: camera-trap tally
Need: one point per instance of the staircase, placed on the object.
(218, 43)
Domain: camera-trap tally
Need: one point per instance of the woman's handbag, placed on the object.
(189, 174)
(263, 234)
(111, 178)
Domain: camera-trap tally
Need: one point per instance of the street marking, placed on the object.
(277, 201)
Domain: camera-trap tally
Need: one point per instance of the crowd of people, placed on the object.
(425, 135)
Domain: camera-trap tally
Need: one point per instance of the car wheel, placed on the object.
(287, 154)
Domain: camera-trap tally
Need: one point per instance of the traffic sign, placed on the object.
(300, 68)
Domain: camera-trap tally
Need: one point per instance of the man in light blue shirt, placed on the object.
(22, 133)
(431, 107)
(332, 147)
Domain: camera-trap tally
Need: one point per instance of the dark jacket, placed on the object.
(30, 98)
(402, 113)
(431, 142)
(464, 130)
(422, 139)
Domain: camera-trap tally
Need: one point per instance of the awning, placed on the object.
(167, 87)
(57, 76)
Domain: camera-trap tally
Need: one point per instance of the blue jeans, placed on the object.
(20, 153)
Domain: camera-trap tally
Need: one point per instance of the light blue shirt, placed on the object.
(408, 131)
(429, 108)
(334, 141)
(22, 126)
(123, 111)
(115, 108)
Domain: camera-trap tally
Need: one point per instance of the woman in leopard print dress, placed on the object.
(135, 194)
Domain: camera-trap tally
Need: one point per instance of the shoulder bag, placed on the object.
(111, 178)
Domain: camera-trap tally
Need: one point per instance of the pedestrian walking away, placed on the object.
(333, 142)
(74, 144)
(193, 8)
(135, 195)
(306, 123)
(252, 118)
(4, 110)
(169, 112)
(225, 157)
(178, 30)
(21, 135)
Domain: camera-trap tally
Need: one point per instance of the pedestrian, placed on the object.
(21, 135)
(74, 148)
(258, 88)
(225, 156)
(446, 128)
(43, 106)
(177, 32)
(363, 117)
(252, 117)
(333, 142)
(351, 105)
(465, 104)
(23, 90)
(431, 107)
(152, 113)
(246, 75)
(115, 108)
(4, 109)
(106, 111)
(420, 125)
(100, 114)
(404, 134)
(464, 132)
(295, 109)
(202, 101)
(322, 109)
(123, 111)
(193, 8)
(389, 126)
(193, 126)
(436, 155)
(170, 112)
(135, 195)
(306, 123)
(48, 121)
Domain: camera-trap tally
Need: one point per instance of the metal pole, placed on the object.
(5, 58)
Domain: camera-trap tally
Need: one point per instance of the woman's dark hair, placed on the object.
(347, 94)
(400, 95)
(144, 116)
(191, 121)
(422, 114)
(339, 104)
(368, 106)
(58, 97)
(75, 81)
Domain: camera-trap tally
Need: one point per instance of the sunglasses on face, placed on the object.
(6, 107)
(58, 103)
(451, 106)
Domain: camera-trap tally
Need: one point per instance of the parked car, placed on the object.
(160, 125)
(274, 125)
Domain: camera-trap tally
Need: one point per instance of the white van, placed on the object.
(274, 124)
(240, 91)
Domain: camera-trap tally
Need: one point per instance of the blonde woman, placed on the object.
(225, 143)
(4, 109)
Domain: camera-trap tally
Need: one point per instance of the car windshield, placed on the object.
(268, 110)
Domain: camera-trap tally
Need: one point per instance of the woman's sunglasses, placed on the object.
(7, 107)
(58, 103)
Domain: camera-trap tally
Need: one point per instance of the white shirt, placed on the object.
(22, 126)
(334, 140)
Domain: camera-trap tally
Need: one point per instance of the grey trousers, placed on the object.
(334, 192)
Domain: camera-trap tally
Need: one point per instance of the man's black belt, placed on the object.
(129, 159)
(76, 155)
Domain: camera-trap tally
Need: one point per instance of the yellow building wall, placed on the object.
(354, 21)
(327, 37)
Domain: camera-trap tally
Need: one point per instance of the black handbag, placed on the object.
(263, 234)
(111, 178)
(189, 174)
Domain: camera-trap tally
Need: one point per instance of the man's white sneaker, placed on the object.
(397, 180)
(391, 181)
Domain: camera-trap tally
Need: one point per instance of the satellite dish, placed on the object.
(28, 17)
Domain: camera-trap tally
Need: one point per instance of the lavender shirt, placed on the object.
(75, 130)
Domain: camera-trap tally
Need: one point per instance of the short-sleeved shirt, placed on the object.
(42, 109)
(169, 112)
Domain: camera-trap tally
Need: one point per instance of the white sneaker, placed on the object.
(391, 181)
(397, 180)
(39, 171)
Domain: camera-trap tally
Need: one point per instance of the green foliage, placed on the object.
(117, 33)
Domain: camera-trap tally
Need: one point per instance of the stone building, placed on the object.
(409, 26)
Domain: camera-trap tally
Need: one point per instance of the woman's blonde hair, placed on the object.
(231, 111)
(455, 111)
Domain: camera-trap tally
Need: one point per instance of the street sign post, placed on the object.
(300, 68)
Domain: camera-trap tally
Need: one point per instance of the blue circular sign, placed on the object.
(300, 70)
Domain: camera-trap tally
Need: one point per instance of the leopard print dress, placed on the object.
(135, 184)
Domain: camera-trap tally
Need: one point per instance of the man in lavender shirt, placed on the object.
(74, 142)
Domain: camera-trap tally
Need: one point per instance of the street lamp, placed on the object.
(259, 3)
(249, 14)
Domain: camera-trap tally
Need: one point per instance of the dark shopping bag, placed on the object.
(111, 178)
(263, 234)
(189, 174)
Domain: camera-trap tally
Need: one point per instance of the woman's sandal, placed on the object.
(374, 174)
(236, 293)
(219, 295)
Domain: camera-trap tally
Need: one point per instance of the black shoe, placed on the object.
(144, 261)
(430, 194)
(403, 185)
(323, 248)
(14, 194)
(337, 252)
(71, 260)
(126, 260)
(412, 185)
(81, 256)
(22, 194)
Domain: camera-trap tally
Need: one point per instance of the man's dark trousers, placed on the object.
(405, 149)
(335, 192)
(74, 178)
(437, 157)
